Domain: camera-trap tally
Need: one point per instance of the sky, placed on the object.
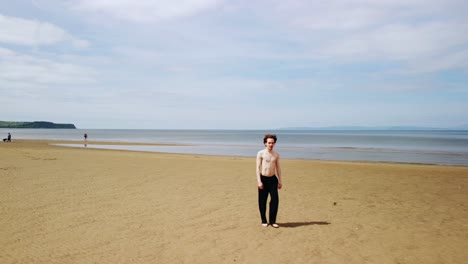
(216, 64)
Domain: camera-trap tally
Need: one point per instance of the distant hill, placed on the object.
(35, 124)
(373, 128)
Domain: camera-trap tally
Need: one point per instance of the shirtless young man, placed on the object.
(268, 179)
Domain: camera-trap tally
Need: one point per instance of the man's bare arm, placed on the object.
(278, 172)
(259, 169)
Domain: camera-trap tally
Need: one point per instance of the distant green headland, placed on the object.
(35, 124)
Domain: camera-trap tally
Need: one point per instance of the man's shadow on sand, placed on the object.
(298, 224)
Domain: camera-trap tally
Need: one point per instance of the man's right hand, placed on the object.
(260, 186)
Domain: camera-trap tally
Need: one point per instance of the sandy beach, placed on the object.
(81, 205)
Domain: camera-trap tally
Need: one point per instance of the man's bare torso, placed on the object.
(268, 162)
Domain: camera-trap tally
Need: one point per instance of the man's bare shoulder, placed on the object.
(260, 153)
(276, 154)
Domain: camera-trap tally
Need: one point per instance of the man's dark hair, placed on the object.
(267, 136)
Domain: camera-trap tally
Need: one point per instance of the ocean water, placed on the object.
(429, 147)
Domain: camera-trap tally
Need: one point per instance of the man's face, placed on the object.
(270, 143)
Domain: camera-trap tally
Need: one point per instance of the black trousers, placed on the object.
(270, 186)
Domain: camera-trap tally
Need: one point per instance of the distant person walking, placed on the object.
(269, 180)
(8, 139)
(85, 136)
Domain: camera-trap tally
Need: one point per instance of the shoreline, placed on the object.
(103, 144)
(56, 144)
(401, 147)
(92, 142)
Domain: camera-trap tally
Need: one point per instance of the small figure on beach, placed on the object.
(85, 136)
(269, 180)
(8, 138)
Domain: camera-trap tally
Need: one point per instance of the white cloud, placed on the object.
(20, 68)
(80, 43)
(352, 31)
(26, 32)
(5, 53)
(358, 14)
(145, 10)
(452, 61)
(412, 33)
(399, 42)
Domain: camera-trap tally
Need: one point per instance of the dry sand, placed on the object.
(71, 205)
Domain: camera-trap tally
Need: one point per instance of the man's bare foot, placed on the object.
(264, 225)
(275, 225)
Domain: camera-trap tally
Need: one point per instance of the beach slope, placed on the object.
(78, 205)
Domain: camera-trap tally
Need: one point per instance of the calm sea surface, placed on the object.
(431, 147)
